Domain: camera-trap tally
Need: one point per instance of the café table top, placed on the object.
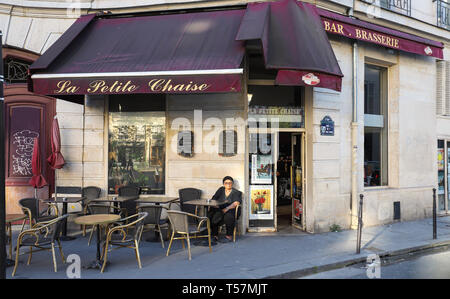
(63, 199)
(96, 219)
(157, 199)
(110, 199)
(204, 202)
(14, 217)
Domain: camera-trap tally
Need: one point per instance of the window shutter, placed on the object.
(440, 87)
(447, 87)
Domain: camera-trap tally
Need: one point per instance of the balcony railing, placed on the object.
(399, 6)
(443, 9)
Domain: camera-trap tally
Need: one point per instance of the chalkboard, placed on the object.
(24, 126)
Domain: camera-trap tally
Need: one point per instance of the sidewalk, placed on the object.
(252, 256)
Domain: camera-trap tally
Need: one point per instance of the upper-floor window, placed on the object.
(15, 70)
(398, 6)
(443, 10)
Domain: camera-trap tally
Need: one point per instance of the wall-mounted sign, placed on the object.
(327, 126)
(368, 32)
(132, 85)
(285, 116)
(311, 79)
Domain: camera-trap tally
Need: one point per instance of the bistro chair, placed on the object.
(153, 219)
(88, 193)
(130, 205)
(30, 207)
(236, 216)
(93, 208)
(125, 235)
(188, 194)
(179, 222)
(43, 236)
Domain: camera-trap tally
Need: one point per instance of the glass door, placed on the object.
(297, 180)
(441, 190)
(262, 188)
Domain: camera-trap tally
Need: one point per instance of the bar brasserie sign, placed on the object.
(80, 86)
(373, 36)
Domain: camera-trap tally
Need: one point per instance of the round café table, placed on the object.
(10, 218)
(97, 220)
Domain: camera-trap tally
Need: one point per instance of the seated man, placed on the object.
(226, 212)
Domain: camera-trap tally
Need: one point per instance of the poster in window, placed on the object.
(261, 202)
(298, 209)
(261, 169)
(441, 189)
(440, 158)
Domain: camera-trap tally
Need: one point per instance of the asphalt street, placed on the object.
(430, 266)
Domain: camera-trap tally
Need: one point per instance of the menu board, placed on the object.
(24, 126)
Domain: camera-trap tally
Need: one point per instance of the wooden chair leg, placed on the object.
(105, 256)
(54, 258)
(61, 252)
(209, 238)
(170, 243)
(138, 257)
(92, 233)
(16, 263)
(189, 246)
(30, 255)
(160, 236)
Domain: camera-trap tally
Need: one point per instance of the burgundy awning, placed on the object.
(294, 42)
(356, 29)
(176, 53)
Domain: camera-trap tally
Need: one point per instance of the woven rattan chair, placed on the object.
(236, 216)
(180, 225)
(153, 220)
(30, 207)
(93, 208)
(88, 193)
(188, 194)
(43, 235)
(129, 236)
(130, 205)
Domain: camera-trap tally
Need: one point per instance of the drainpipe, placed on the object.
(354, 133)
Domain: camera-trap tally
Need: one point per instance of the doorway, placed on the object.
(290, 181)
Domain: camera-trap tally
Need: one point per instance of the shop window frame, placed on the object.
(374, 123)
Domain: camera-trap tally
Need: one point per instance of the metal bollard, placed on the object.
(360, 224)
(434, 215)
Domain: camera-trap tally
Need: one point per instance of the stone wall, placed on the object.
(411, 141)
(82, 143)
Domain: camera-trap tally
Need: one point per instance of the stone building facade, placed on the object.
(412, 120)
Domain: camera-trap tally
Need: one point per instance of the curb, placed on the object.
(342, 264)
